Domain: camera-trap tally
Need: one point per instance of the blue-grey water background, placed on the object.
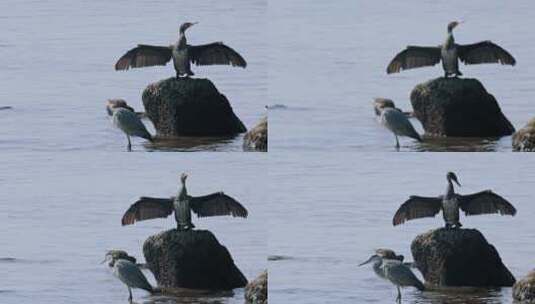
(329, 61)
(329, 212)
(57, 60)
(61, 212)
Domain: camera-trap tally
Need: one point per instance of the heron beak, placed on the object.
(458, 184)
(104, 261)
(364, 263)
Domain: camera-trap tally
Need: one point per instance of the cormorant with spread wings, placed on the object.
(182, 54)
(208, 205)
(483, 202)
(450, 53)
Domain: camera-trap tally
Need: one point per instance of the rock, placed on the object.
(459, 257)
(256, 292)
(458, 107)
(257, 138)
(191, 259)
(189, 107)
(524, 290)
(524, 139)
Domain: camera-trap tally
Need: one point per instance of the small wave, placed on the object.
(8, 260)
(279, 257)
(6, 108)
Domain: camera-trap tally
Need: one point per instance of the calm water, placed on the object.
(57, 60)
(331, 57)
(328, 214)
(60, 215)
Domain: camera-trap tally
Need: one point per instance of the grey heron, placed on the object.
(127, 272)
(394, 271)
(182, 54)
(483, 202)
(182, 204)
(397, 122)
(128, 122)
(449, 53)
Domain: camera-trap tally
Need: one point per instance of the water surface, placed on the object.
(61, 212)
(329, 61)
(58, 63)
(329, 213)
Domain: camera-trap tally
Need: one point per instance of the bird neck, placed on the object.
(182, 41)
(450, 41)
(183, 192)
(450, 190)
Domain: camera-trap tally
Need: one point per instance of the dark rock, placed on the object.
(524, 290)
(189, 107)
(524, 139)
(458, 107)
(256, 292)
(257, 138)
(459, 257)
(191, 259)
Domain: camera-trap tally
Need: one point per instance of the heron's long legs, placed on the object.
(130, 295)
(399, 295)
(397, 143)
(129, 147)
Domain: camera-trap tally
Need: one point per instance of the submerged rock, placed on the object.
(459, 257)
(189, 107)
(458, 107)
(524, 139)
(524, 289)
(256, 292)
(257, 138)
(191, 259)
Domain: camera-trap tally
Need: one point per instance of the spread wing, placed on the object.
(216, 204)
(143, 56)
(485, 202)
(484, 52)
(148, 208)
(417, 207)
(414, 57)
(215, 53)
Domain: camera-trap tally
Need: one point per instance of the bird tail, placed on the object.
(155, 290)
(419, 285)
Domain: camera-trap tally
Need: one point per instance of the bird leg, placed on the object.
(399, 295)
(130, 295)
(129, 147)
(397, 143)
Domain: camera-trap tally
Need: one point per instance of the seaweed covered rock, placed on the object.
(256, 292)
(459, 257)
(191, 259)
(189, 107)
(524, 289)
(458, 107)
(524, 139)
(256, 139)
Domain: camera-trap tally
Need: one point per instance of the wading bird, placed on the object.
(128, 272)
(209, 205)
(182, 54)
(449, 53)
(483, 202)
(397, 122)
(128, 122)
(396, 272)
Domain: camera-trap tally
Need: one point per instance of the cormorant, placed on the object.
(208, 205)
(483, 202)
(449, 53)
(182, 54)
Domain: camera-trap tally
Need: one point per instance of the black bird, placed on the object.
(208, 205)
(182, 54)
(483, 202)
(449, 53)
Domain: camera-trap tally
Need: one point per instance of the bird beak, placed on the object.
(104, 261)
(364, 263)
(455, 180)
